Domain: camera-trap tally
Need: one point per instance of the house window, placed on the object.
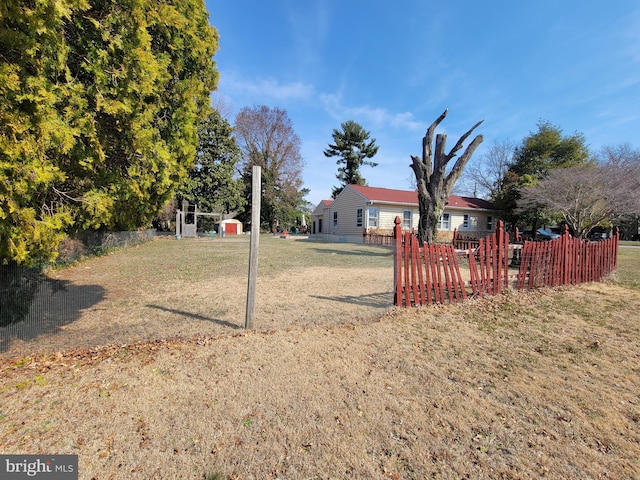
(465, 221)
(445, 221)
(335, 219)
(359, 218)
(489, 223)
(372, 221)
(319, 225)
(406, 220)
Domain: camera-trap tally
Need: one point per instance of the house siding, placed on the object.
(349, 200)
(318, 218)
(477, 221)
(388, 214)
(346, 206)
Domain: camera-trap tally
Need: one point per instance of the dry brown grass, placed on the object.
(528, 385)
(168, 288)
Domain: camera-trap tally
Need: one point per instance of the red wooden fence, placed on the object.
(430, 273)
(371, 238)
(566, 261)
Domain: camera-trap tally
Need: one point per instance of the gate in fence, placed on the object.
(440, 273)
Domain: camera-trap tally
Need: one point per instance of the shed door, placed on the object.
(231, 228)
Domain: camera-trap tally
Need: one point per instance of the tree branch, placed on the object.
(66, 195)
(458, 167)
(419, 168)
(427, 140)
(458, 145)
(439, 156)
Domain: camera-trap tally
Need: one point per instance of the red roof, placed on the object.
(388, 195)
(470, 202)
(324, 204)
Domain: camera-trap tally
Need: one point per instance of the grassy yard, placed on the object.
(168, 288)
(629, 265)
(334, 383)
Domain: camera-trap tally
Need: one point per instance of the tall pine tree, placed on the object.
(352, 147)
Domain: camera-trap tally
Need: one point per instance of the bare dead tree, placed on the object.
(434, 184)
(622, 154)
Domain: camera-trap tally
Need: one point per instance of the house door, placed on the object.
(231, 228)
(319, 225)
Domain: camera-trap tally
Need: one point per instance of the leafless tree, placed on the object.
(625, 156)
(434, 184)
(622, 154)
(487, 171)
(587, 195)
(267, 138)
(223, 105)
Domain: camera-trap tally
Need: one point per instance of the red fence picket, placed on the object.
(430, 273)
(566, 261)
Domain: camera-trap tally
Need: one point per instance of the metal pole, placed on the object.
(256, 194)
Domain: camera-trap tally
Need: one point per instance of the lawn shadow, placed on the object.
(376, 300)
(196, 316)
(50, 306)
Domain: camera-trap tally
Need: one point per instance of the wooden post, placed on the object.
(499, 240)
(397, 262)
(407, 268)
(185, 211)
(614, 247)
(506, 260)
(256, 196)
(415, 261)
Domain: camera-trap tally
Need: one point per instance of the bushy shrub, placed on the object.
(70, 250)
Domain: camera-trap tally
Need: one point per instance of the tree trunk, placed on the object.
(434, 185)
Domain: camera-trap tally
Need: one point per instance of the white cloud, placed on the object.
(374, 116)
(632, 36)
(406, 120)
(265, 89)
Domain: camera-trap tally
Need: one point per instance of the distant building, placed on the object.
(358, 208)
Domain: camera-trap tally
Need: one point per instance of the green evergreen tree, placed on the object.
(539, 152)
(212, 184)
(353, 147)
(99, 105)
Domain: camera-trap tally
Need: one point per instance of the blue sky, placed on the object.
(394, 67)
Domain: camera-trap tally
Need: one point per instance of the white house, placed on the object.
(358, 209)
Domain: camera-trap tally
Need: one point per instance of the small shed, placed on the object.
(230, 226)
